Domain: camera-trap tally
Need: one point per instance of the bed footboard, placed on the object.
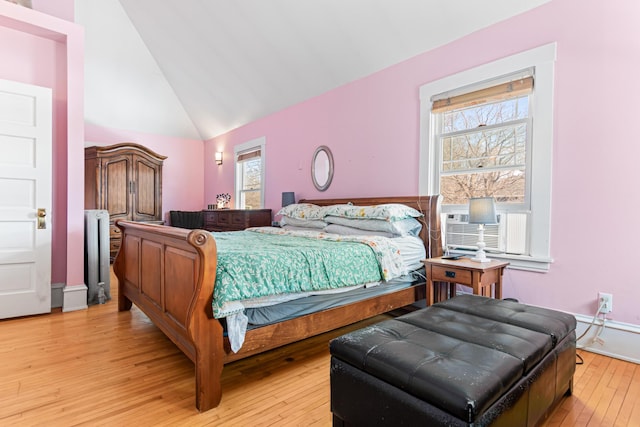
(169, 273)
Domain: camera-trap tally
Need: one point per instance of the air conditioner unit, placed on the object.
(459, 234)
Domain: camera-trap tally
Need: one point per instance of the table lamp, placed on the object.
(482, 210)
(288, 198)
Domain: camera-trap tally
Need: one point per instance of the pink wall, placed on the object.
(372, 127)
(42, 50)
(182, 171)
(61, 8)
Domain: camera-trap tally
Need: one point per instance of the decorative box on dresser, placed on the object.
(126, 180)
(236, 219)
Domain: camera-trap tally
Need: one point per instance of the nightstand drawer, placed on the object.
(448, 274)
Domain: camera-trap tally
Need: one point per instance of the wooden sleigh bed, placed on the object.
(169, 274)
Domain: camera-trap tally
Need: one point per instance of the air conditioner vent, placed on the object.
(462, 235)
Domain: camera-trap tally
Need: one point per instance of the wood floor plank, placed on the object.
(102, 367)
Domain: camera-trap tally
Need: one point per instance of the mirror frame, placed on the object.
(327, 151)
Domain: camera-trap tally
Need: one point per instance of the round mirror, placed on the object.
(322, 168)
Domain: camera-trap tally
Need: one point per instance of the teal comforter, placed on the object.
(266, 261)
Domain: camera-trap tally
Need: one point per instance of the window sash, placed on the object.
(516, 207)
(486, 129)
(245, 185)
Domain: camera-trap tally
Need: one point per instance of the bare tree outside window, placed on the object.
(484, 151)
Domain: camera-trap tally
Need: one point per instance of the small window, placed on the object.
(249, 158)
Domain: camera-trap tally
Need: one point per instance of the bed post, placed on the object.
(205, 332)
(124, 303)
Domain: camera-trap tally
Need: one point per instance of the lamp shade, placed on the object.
(288, 198)
(482, 210)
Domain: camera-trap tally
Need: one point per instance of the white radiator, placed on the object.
(96, 256)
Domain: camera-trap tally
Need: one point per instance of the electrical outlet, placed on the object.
(606, 301)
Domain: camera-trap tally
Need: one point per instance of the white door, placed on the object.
(25, 199)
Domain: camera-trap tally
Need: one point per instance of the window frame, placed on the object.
(253, 145)
(542, 61)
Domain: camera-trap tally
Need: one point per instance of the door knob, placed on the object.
(42, 215)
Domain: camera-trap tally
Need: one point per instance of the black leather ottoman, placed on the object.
(468, 361)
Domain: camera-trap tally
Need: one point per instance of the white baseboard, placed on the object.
(75, 298)
(618, 340)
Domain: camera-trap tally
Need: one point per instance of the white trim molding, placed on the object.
(614, 339)
(75, 298)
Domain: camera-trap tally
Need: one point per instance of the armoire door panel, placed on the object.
(145, 192)
(116, 184)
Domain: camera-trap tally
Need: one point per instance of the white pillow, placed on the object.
(304, 223)
(350, 231)
(294, 228)
(403, 227)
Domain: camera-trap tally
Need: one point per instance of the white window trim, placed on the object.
(254, 144)
(543, 60)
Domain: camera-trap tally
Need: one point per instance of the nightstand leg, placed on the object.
(429, 292)
(475, 284)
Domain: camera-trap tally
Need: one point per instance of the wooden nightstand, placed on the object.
(481, 276)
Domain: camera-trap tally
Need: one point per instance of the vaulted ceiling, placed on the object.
(232, 62)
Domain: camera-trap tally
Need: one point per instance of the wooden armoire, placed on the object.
(126, 180)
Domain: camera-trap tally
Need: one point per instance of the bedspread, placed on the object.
(270, 261)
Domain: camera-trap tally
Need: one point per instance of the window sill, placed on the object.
(517, 262)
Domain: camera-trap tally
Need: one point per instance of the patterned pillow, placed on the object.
(303, 211)
(388, 212)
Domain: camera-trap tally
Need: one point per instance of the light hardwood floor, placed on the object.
(101, 367)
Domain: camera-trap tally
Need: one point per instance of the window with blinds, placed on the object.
(488, 131)
(483, 137)
(250, 173)
(249, 161)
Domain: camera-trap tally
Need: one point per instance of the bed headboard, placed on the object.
(428, 205)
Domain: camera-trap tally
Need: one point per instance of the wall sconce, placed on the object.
(219, 157)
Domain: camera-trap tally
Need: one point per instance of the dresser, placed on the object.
(126, 180)
(236, 219)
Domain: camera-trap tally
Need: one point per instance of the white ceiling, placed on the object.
(232, 62)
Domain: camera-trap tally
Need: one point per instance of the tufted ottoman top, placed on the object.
(457, 361)
(554, 323)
